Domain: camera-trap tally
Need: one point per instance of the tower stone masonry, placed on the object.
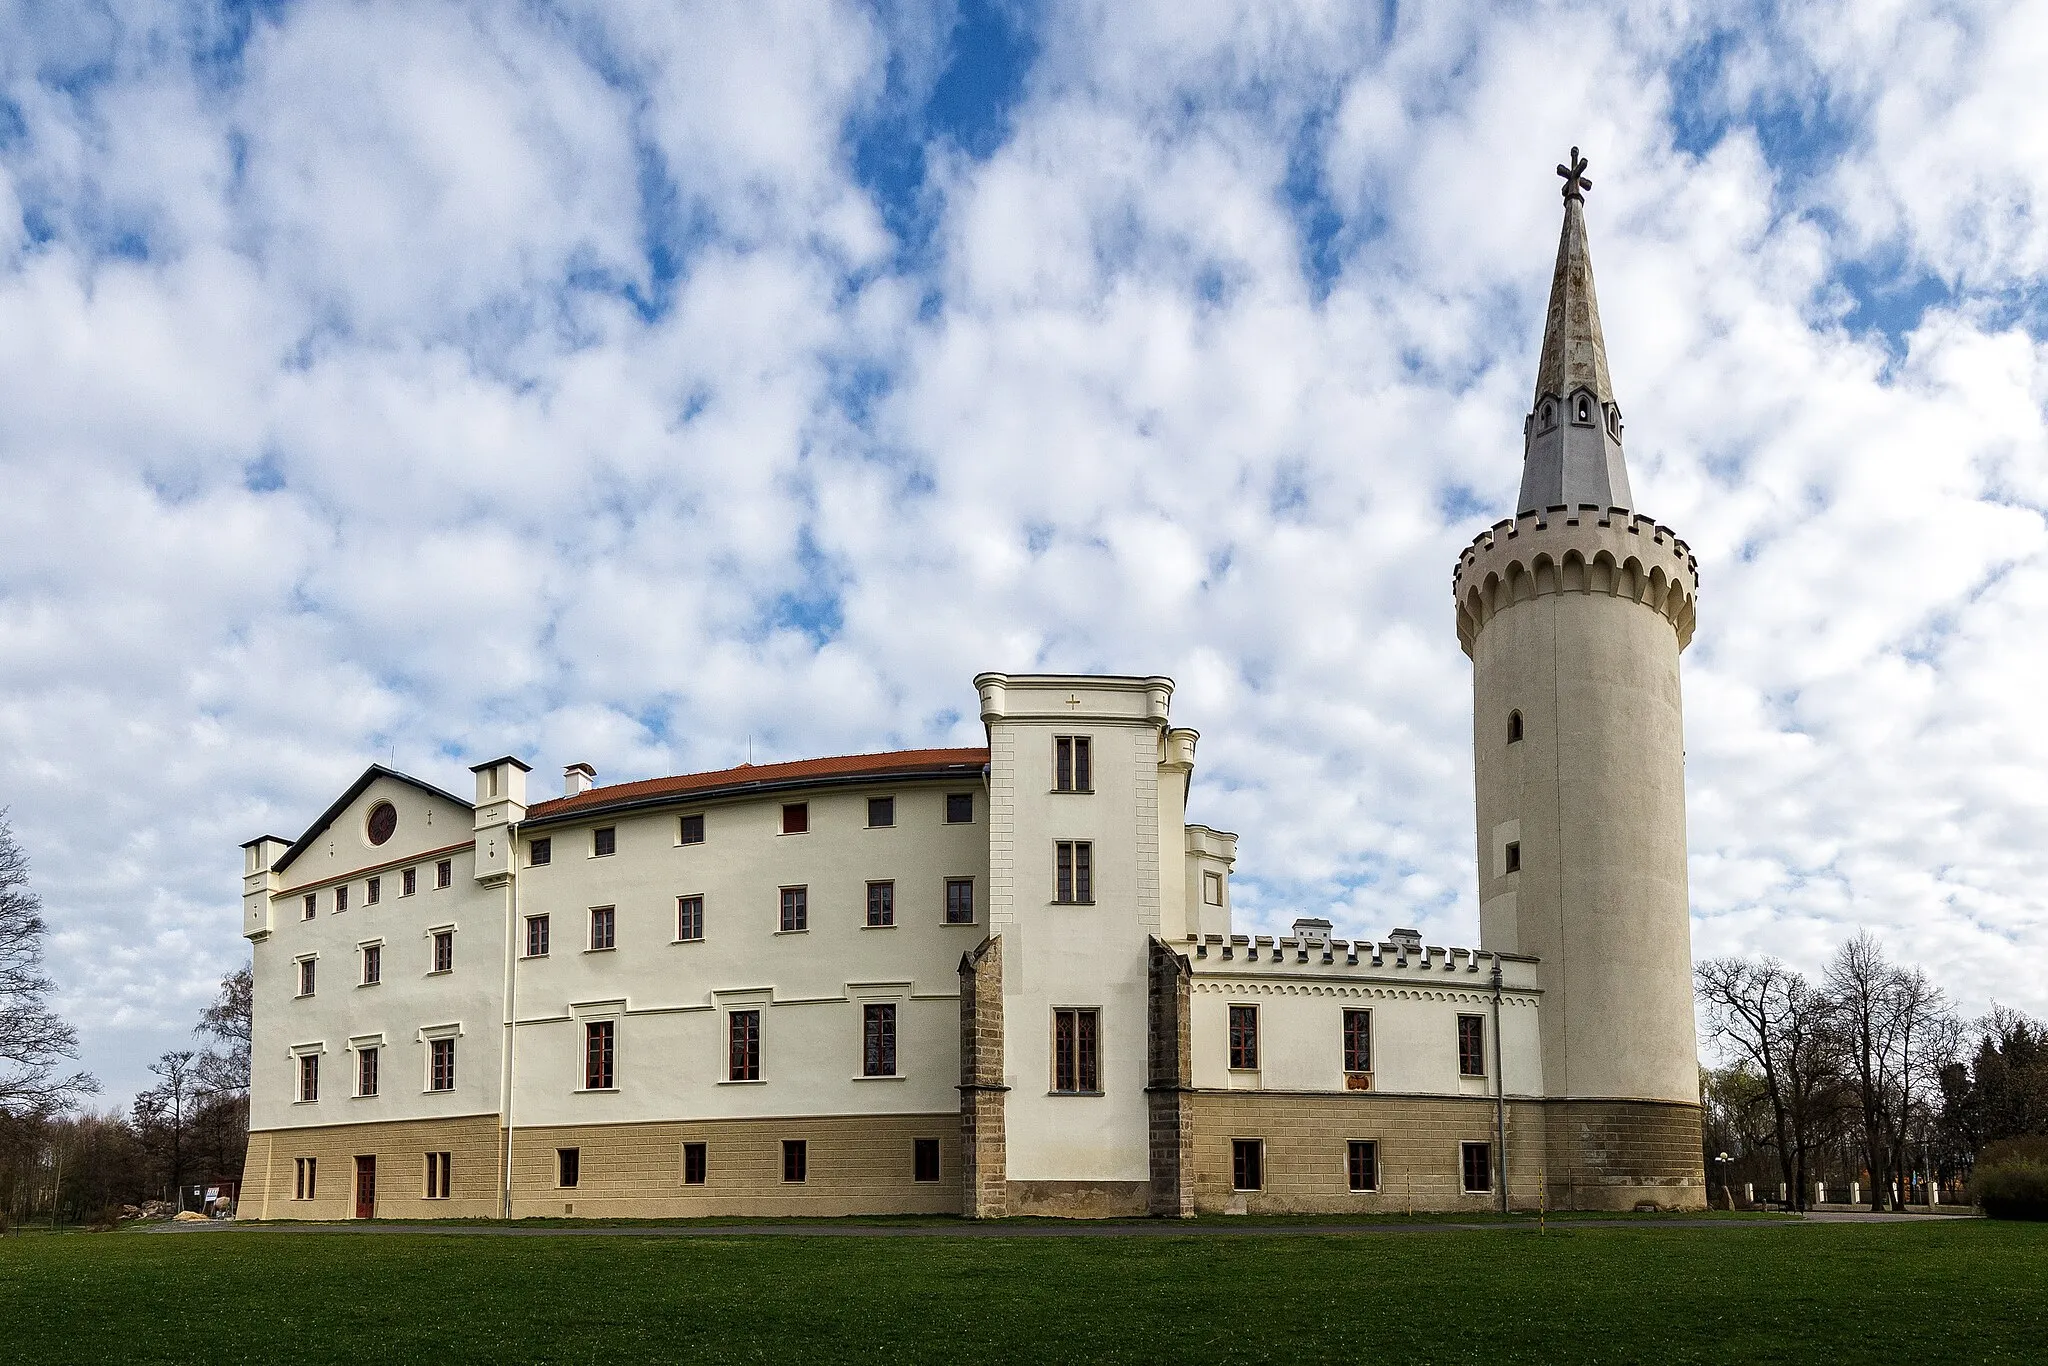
(1574, 613)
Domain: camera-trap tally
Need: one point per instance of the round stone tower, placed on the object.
(1574, 612)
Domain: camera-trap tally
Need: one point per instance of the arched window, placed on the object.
(1549, 417)
(1514, 726)
(1585, 409)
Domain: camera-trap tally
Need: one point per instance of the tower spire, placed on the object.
(1572, 439)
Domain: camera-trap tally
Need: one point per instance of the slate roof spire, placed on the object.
(1571, 452)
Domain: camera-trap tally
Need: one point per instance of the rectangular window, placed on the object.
(440, 1174)
(1212, 889)
(536, 936)
(694, 1164)
(689, 917)
(959, 901)
(1244, 1037)
(924, 1159)
(309, 1076)
(1358, 1041)
(341, 897)
(598, 1054)
(603, 924)
(444, 950)
(568, 1167)
(1514, 859)
(796, 818)
(796, 909)
(302, 1185)
(604, 841)
(540, 853)
(693, 829)
(881, 904)
(311, 911)
(373, 964)
(796, 1159)
(1074, 872)
(959, 808)
(306, 972)
(1247, 1164)
(1471, 1045)
(1476, 1164)
(1362, 1164)
(366, 1072)
(881, 812)
(373, 891)
(1071, 769)
(440, 1064)
(878, 1041)
(743, 1045)
(1074, 1052)
(409, 882)
(444, 873)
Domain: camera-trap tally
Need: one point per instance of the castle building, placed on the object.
(1005, 980)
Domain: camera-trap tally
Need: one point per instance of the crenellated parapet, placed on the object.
(1608, 551)
(1420, 965)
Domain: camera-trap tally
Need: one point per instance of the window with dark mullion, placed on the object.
(881, 904)
(536, 936)
(599, 1042)
(878, 1041)
(796, 1160)
(540, 852)
(1471, 1046)
(603, 927)
(439, 1175)
(924, 1159)
(694, 1164)
(1358, 1041)
(960, 901)
(1071, 769)
(796, 910)
(689, 917)
(366, 1072)
(1247, 1164)
(1074, 1052)
(568, 1167)
(1073, 872)
(1476, 1160)
(1244, 1037)
(441, 1065)
(1362, 1164)
(743, 1050)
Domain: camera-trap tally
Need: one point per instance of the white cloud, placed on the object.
(426, 383)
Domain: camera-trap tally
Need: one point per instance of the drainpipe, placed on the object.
(1500, 1095)
(512, 947)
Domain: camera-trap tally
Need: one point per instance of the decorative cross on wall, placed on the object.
(1073, 701)
(1575, 182)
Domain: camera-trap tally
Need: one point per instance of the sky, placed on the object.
(637, 382)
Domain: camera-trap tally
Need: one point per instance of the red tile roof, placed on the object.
(802, 772)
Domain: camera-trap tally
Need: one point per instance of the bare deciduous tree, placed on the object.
(34, 1042)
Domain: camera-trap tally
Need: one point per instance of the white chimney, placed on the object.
(578, 778)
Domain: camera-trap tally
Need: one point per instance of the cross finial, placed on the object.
(1575, 182)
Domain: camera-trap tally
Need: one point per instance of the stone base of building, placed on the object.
(1306, 1138)
(271, 1180)
(853, 1165)
(1618, 1154)
(1080, 1199)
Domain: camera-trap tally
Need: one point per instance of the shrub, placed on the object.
(2013, 1189)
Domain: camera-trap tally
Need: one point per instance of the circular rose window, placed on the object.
(383, 820)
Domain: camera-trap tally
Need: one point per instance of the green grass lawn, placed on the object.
(1963, 1290)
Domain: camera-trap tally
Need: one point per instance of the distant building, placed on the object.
(1005, 980)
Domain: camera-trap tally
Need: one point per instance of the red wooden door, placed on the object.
(366, 1188)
